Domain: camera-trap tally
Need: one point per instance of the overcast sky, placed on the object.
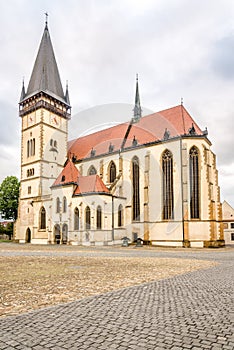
(179, 48)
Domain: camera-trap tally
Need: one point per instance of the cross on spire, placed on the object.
(46, 19)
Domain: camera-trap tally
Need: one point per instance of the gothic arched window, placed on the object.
(135, 189)
(87, 218)
(120, 215)
(64, 204)
(76, 219)
(57, 205)
(42, 218)
(92, 170)
(99, 217)
(194, 183)
(112, 172)
(28, 148)
(168, 195)
(31, 148)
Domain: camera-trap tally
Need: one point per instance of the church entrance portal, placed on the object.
(28, 235)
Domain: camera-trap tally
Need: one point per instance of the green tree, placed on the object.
(9, 196)
(8, 230)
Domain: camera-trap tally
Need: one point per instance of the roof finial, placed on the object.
(46, 19)
(22, 96)
(181, 101)
(137, 108)
(67, 99)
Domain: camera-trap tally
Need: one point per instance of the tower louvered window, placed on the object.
(31, 148)
(194, 183)
(168, 195)
(136, 190)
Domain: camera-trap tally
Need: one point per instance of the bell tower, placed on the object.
(45, 111)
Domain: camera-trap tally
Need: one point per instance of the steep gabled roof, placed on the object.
(45, 75)
(84, 184)
(176, 120)
(68, 176)
(90, 184)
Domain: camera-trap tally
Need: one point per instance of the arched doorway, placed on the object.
(28, 235)
(57, 235)
(64, 233)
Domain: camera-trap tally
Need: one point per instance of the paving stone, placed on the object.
(188, 311)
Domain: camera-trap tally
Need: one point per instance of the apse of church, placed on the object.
(152, 177)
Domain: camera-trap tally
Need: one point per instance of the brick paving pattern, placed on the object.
(189, 311)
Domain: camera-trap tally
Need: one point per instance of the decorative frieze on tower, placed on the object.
(44, 110)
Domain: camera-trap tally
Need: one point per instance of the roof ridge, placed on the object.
(150, 128)
(127, 122)
(98, 132)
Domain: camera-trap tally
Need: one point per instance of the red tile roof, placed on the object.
(149, 129)
(177, 120)
(84, 184)
(90, 184)
(68, 175)
(99, 141)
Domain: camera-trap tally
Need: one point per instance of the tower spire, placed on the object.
(137, 107)
(23, 93)
(67, 99)
(45, 75)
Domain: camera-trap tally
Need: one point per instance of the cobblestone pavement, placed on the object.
(189, 311)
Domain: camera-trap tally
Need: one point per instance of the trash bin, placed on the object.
(139, 242)
(125, 241)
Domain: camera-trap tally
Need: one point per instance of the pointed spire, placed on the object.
(67, 99)
(137, 108)
(23, 93)
(45, 75)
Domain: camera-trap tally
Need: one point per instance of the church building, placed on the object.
(152, 178)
